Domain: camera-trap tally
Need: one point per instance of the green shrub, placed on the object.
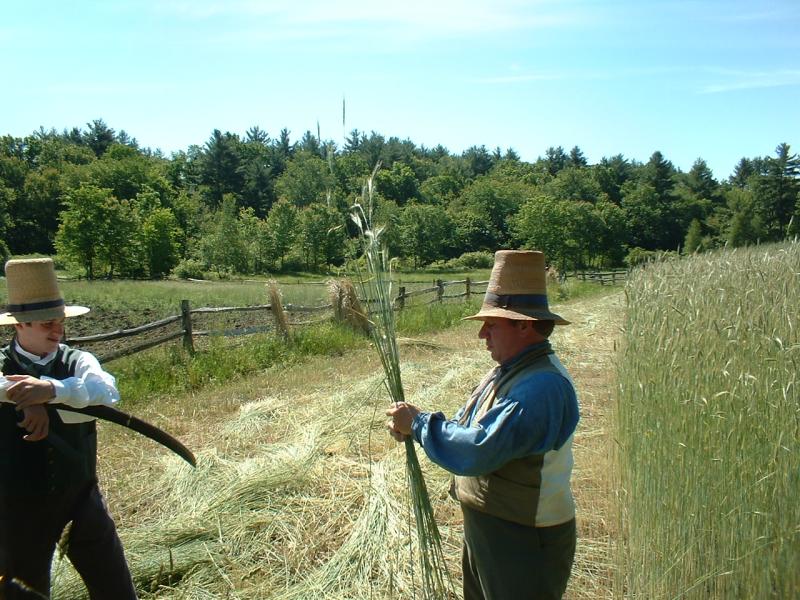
(472, 260)
(189, 269)
(639, 256)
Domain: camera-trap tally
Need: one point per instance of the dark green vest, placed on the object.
(65, 460)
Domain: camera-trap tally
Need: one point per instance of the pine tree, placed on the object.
(694, 238)
(776, 192)
(576, 157)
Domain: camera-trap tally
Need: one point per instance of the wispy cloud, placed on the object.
(93, 88)
(727, 80)
(517, 74)
(206, 9)
(743, 80)
(783, 14)
(444, 17)
(521, 78)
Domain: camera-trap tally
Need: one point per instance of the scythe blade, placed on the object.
(108, 413)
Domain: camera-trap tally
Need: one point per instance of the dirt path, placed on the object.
(587, 348)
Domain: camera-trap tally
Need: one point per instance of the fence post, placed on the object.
(188, 343)
(468, 285)
(401, 298)
(439, 289)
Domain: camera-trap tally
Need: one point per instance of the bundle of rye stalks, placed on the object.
(347, 306)
(374, 279)
(282, 326)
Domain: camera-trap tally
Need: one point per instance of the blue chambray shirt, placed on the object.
(538, 414)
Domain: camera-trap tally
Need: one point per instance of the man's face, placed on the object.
(505, 338)
(40, 337)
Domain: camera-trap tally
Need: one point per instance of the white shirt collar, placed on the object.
(34, 358)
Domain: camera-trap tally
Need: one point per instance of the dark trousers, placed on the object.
(508, 561)
(30, 529)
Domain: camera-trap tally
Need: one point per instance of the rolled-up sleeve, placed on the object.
(538, 414)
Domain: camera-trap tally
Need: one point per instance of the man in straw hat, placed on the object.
(510, 446)
(48, 457)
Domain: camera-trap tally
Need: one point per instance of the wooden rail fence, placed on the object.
(612, 277)
(188, 332)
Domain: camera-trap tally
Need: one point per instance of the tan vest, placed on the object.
(511, 492)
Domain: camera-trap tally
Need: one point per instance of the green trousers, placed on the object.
(508, 561)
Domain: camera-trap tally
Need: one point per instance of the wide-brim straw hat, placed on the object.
(518, 288)
(33, 293)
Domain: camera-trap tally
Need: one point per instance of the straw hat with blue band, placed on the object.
(33, 293)
(518, 288)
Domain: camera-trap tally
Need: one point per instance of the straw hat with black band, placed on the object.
(518, 288)
(33, 293)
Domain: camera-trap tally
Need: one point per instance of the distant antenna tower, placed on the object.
(344, 120)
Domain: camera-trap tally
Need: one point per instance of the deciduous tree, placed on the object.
(564, 230)
(98, 231)
(306, 180)
(282, 227)
(398, 184)
(160, 241)
(321, 235)
(224, 246)
(425, 233)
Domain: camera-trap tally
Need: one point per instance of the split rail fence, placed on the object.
(613, 277)
(187, 330)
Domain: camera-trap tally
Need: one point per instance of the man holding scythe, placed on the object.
(49, 399)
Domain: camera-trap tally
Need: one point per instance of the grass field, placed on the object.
(709, 428)
(163, 296)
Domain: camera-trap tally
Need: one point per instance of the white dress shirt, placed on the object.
(90, 385)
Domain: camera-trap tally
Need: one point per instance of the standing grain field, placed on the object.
(708, 421)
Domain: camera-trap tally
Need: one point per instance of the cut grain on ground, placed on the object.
(286, 459)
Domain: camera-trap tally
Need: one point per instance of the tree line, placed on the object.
(254, 203)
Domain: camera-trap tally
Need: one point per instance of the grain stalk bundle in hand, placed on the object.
(376, 288)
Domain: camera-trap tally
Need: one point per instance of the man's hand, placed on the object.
(402, 415)
(36, 422)
(28, 391)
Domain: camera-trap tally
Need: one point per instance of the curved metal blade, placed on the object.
(108, 413)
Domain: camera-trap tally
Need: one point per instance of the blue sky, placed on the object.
(713, 79)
